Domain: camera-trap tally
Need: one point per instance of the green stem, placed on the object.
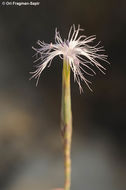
(66, 122)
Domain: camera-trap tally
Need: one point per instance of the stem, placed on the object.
(66, 122)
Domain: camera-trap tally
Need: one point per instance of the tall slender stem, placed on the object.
(66, 122)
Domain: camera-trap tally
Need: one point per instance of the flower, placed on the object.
(75, 50)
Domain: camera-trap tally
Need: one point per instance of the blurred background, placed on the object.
(31, 156)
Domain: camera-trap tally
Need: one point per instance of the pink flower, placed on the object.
(76, 51)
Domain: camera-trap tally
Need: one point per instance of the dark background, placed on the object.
(31, 155)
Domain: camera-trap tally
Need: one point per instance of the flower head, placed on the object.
(76, 50)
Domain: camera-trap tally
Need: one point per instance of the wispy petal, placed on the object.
(81, 56)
